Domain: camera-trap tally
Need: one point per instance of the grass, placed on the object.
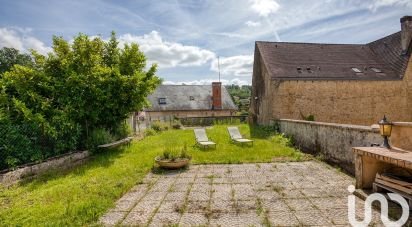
(80, 196)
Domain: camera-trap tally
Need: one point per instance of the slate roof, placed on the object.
(178, 98)
(334, 61)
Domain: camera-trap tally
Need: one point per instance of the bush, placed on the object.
(16, 146)
(98, 137)
(310, 118)
(79, 86)
(262, 131)
(149, 132)
(27, 141)
(122, 131)
(176, 124)
(159, 126)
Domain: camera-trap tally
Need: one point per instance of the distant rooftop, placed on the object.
(187, 97)
(378, 60)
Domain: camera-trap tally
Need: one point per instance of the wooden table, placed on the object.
(372, 160)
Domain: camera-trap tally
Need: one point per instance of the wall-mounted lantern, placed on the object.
(385, 129)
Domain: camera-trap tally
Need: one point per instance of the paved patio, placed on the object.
(277, 194)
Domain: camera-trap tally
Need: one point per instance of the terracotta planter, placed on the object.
(177, 164)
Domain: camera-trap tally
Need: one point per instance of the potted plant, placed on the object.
(173, 160)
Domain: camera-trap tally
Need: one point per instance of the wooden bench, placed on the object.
(116, 143)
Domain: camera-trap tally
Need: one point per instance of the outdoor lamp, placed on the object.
(385, 129)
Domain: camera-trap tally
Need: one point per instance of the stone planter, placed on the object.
(168, 164)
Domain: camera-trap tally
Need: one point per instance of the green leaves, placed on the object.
(10, 57)
(79, 87)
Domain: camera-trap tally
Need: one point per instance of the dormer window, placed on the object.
(162, 101)
(299, 69)
(356, 70)
(376, 70)
(191, 98)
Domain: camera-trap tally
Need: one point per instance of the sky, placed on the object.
(187, 37)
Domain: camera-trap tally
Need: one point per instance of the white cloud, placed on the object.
(168, 54)
(235, 81)
(250, 23)
(240, 65)
(264, 7)
(381, 3)
(33, 43)
(20, 39)
(10, 38)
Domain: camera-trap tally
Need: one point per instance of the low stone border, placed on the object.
(8, 178)
(12, 176)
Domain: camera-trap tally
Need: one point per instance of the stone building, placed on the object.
(169, 101)
(341, 83)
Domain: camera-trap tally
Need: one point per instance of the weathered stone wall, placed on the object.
(261, 101)
(338, 101)
(334, 142)
(402, 135)
(25, 172)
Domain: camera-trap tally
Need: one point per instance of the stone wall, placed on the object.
(26, 172)
(338, 101)
(334, 142)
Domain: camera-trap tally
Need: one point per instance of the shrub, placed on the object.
(261, 131)
(155, 126)
(81, 85)
(98, 137)
(176, 124)
(159, 126)
(149, 132)
(16, 146)
(122, 131)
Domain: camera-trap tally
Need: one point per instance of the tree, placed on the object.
(81, 86)
(10, 56)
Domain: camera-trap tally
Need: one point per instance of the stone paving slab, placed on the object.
(264, 194)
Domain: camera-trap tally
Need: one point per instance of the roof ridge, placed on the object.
(348, 44)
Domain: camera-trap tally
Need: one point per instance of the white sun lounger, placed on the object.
(235, 135)
(201, 138)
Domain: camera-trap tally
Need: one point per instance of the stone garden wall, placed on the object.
(66, 161)
(331, 141)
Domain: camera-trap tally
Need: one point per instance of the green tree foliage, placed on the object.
(10, 57)
(241, 97)
(79, 87)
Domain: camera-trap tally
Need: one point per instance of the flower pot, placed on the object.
(176, 164)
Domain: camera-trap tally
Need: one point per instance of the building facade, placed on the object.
(182, 101)
(340, 83)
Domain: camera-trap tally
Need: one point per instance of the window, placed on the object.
(162, 101)
(191, 98)
(376, 70)
(356, 70)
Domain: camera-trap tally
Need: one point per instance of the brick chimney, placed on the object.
(406, 34)
(217, 95)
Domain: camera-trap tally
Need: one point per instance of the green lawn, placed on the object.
(82, 195)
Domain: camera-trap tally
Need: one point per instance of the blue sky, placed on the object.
(185, 37)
